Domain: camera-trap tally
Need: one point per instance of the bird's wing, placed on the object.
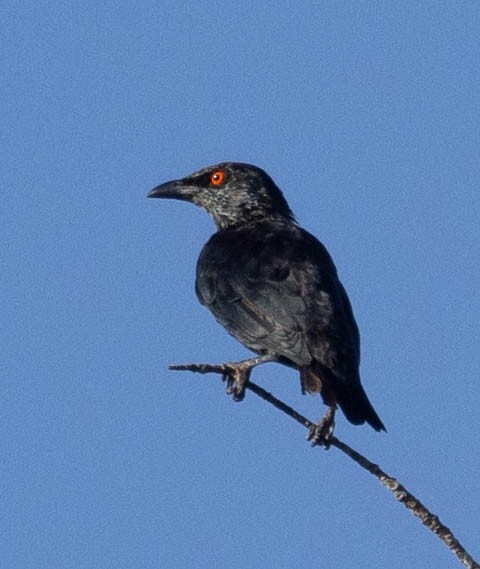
(277, 293)
(265, 315)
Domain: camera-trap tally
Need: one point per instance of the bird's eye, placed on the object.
(217, 177)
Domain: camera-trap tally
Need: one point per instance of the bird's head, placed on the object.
(233, 193)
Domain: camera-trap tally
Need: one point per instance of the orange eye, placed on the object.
(217, 177)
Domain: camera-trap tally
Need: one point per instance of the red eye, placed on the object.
(217, 177)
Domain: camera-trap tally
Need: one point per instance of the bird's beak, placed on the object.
(176, 189)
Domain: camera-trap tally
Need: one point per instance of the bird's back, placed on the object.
(275, 287)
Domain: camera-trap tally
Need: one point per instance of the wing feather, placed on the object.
(280, 294)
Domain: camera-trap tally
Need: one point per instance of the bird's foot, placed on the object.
(236, 374)
(321, 432)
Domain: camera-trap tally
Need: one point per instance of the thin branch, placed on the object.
(431, 521)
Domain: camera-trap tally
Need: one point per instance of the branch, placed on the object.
(431, 521)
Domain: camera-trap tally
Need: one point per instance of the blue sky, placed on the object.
(367, 116)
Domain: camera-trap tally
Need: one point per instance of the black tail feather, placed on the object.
(357, 408)
(350, 397)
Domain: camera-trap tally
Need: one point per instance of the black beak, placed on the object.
(176, 189)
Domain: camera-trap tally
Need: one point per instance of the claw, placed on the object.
(321, 433)
(237, 378)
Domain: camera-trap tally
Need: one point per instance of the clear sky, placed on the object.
(367, 116)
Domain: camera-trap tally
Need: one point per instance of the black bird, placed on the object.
(275, 288)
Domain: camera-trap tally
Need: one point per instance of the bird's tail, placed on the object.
(357, 407)
(351, 398)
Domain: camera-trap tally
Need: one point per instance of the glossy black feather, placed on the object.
(273, 285)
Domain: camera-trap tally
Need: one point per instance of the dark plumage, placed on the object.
(273, 285)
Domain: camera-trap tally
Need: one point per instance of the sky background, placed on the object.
(367, 116)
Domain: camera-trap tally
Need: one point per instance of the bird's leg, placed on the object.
(236, 374)
(321, 432)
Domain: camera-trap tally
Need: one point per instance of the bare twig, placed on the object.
(428, 519)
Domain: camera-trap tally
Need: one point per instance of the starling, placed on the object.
(275, 288)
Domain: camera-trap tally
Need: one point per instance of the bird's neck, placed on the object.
(254, 218)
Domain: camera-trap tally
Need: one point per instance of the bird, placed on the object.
(275, 288)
